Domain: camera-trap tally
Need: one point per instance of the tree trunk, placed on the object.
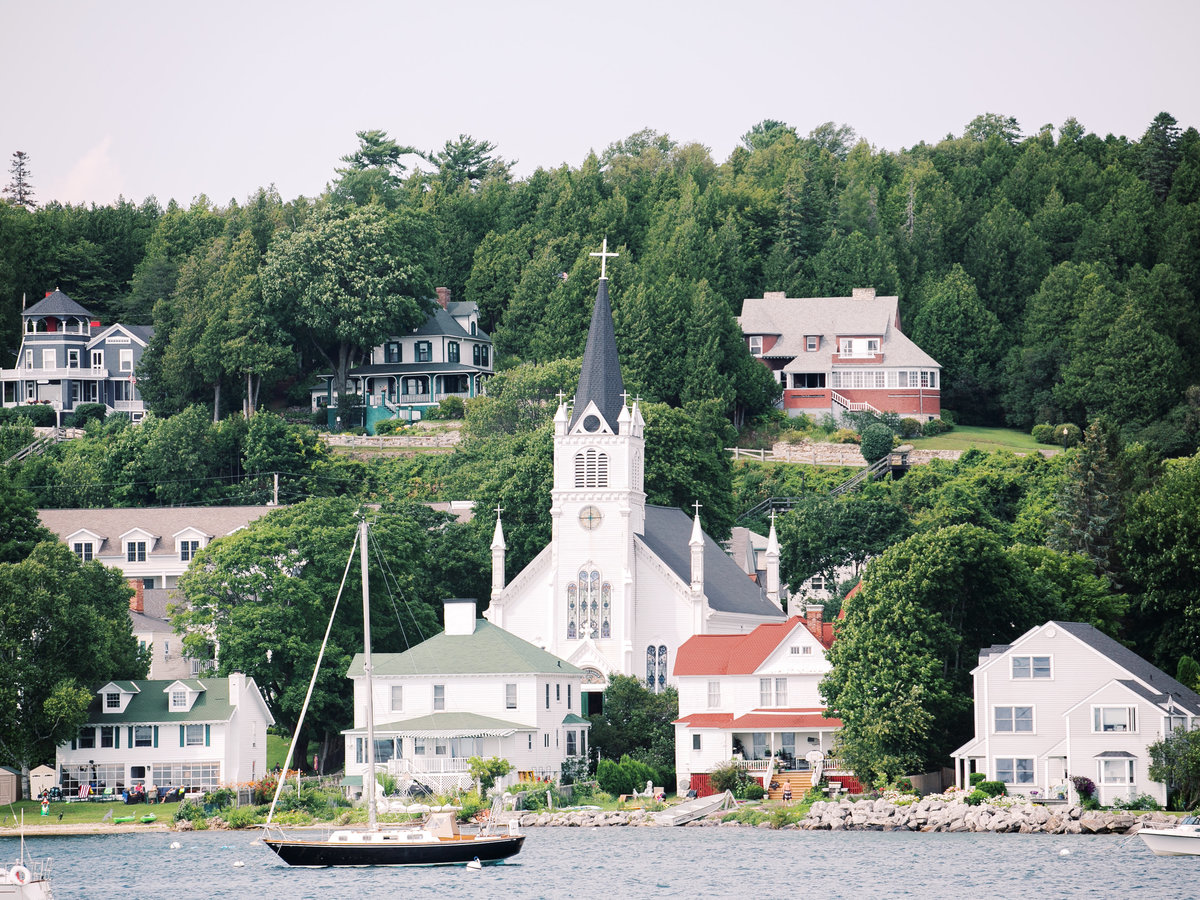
(217, 402)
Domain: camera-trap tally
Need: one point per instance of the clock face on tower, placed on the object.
(590, 518)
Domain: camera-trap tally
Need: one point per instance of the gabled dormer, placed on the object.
(189, 541)
(182, 695)
(85, 544)
(137, 544)
(115, 696)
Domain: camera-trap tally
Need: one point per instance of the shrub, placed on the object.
(188, 810)
(613, 778)
(41, 414)
(87, 412)
(220, 798)
(993, 788)
(243, 817)
(1141, 801)
(910, 428)
(1044, 433)
(934, 427)
(1071, 438)
(754, 791)
(1084, 786)
(574, 770)
(449, 408)
(876, 442)
(844, 436)
(975, 797)
(390, 426)
(486, 771)
(320, 419)
(977, 777)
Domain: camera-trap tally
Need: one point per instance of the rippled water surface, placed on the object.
(621, 863)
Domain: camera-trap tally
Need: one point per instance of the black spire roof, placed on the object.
(600, 379)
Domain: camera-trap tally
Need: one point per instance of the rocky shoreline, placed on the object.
(927, 815)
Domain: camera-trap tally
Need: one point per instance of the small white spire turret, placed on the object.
(697, 547)
(772, 560)
(498, 551)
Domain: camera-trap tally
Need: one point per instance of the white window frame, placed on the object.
(397, 698)
(1127, 776)
(1030, 667)
(439, 696)
(812, 342)
(135, 551)
(28, 358)
(84, 550)
(1101, 726)
(126, 363)
(714, 694)
(756, 344)
(1007, 715)
(1021, 774)
(188, 550)
(72, 357)
(510, 696)
(179, 700)
(97, 360)
(193, 735)
(781, 692)
(143, 735)
(112, 700)
(49, 358)
(764, 692)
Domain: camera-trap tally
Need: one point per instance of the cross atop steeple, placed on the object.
(560, 396)
(697, 505)
(625, 397)
(604, 255)
(499, 509)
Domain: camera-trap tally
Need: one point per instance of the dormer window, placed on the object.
(83, 549)
(812, 342)
(187, 550)
(756, 345)
(135, 551)
(112, 700)
(179, 700)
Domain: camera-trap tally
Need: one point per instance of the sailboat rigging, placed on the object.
(436, 841)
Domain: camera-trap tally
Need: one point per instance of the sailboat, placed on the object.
(27, 879)
(434, 842)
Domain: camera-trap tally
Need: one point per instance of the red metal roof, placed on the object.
(732, 654)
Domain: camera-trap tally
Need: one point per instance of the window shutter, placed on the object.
(130, 735)
(207, 735)
(180, 735)
(72, 743)
(116, 737)
(156, 737)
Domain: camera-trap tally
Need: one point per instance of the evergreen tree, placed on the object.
(19, 190)
(1090, 504)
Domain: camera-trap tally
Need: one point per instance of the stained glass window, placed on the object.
(572, 612)
(605, 609)
(651, 666)
(662, 667)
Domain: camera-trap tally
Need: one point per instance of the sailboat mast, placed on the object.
(369, 780)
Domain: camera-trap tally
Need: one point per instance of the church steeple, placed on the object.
(600, 379)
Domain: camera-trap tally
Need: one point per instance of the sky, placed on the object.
(139, 98)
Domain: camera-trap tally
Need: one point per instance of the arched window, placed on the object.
(589, 607)
(656, 668)
(591, 468)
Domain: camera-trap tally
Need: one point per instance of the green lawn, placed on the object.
(964, 437)
(277, 747)
(85, 813)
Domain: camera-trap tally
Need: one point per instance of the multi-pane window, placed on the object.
(589, 607)
(656, 668)
(439, 696)
(49, 359)
(424, 351)
(808, 379)
(1114, 718)
(452, 351)
(572, 747)
(1014, 719)
(714, 694)
(756, 345)
(97, 359)
(108, 735)
(193, 735)
(126, 361)
(83, 549)
(143, 736)
(178, 699)
(87, 738)
(397, 698)
(483, 355)
(1031, 667)
(112, 700)
(73, 359)
(1116, 771)
(392, 352)
(781, 692)
(1014, 770)
(187, 550)
(812, 342)
(695, 742)
(764, 692)
(135, 551)
(510, 696)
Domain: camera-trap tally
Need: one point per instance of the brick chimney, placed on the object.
(443, 297)
(863, 294)
(812, 618)
(137, 603)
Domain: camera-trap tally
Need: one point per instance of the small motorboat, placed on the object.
(28, 879)
(1182, 840)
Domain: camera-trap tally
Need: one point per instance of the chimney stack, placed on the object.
(459, 613)
(137, 603)
(863, 293)
(812, 618)
(443, 294)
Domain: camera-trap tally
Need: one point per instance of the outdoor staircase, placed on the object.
(38, 447)
(800, 782)
(873, 471)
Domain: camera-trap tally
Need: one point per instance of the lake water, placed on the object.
(628, 863)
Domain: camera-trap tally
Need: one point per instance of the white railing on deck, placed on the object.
(853, 405)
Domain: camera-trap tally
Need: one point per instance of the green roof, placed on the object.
(453, 724)
(572, 719)
(489, 651)
(152, 705)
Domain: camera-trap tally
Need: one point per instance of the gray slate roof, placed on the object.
(728, 588)
(1132, 663)
(600, 378)
(794, 318)
(441, 322)
(57, 304)
(162, 522)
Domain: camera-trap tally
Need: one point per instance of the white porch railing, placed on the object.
(435, 766)
(129, 406)
(852, 405)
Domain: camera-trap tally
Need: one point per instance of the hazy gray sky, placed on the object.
(142, 97)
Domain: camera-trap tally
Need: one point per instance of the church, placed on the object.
(622, 584)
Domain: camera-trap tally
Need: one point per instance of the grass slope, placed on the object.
(964, 437)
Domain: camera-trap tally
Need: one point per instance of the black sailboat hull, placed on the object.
(447, 852)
